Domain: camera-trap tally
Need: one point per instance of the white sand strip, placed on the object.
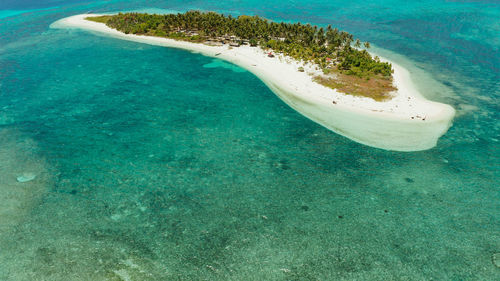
(407, 122)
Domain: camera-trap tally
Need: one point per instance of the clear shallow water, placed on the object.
(158, 164)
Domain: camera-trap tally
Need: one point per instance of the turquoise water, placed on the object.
(158, 164)
(10, 13)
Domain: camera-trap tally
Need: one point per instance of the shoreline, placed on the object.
(407, 122)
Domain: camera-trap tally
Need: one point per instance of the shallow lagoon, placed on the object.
(151, 166)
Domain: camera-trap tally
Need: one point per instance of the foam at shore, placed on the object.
(407, 122)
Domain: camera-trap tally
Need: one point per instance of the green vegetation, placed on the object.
(101, 19)
(335, 52)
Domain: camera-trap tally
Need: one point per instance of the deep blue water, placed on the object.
(152, 164)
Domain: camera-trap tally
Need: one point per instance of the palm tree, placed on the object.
(357, 44)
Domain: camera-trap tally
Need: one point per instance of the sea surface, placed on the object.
(152, 163)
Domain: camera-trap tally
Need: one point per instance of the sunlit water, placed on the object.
(158, 164)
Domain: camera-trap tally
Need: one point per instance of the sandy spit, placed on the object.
(407, 122)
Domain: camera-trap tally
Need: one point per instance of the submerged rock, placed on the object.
(26, 177)
(410, 180)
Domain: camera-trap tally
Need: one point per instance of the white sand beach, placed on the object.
(407, 122)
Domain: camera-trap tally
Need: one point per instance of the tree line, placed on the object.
(328, 47)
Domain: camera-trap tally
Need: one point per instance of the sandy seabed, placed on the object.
(407, 122)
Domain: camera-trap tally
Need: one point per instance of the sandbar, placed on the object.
(407, 122)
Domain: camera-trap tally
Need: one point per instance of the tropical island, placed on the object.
(344, 66)
(323, 73)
